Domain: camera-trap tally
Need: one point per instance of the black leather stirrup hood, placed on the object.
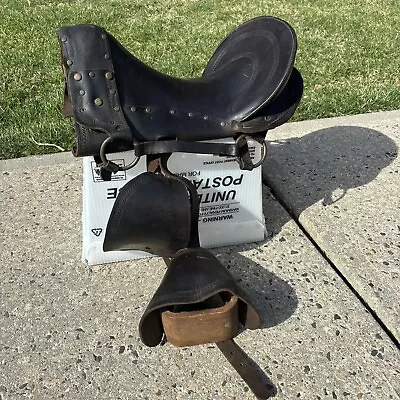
(151, 213)
(111, 92)
(193, 276)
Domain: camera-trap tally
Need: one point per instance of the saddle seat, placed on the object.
(249, 86)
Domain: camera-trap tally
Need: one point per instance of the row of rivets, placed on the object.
(190, 114)
(78, 76)
(147, 109)
(106, 55)
(173, 112)
(81, 92)
(69, 63)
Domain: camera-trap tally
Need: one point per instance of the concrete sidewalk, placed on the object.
(340, 178)
(70, 331)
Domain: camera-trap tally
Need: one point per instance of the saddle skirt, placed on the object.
(249, 86)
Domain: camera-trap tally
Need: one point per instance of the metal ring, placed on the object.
(263, 154)
(263, 151)
(104, 157)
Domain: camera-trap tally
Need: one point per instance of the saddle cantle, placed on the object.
(248, 87)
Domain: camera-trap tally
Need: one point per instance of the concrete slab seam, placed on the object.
(330, 262)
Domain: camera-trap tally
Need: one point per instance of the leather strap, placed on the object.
(239, 150)
(194, 240)
(173, 146)
(257, 381)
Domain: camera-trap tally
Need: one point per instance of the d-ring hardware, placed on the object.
(263, 152)
(106, 162)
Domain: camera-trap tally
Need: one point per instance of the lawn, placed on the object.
(348, 54)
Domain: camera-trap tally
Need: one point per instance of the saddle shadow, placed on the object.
(272, 296)
(323, 165)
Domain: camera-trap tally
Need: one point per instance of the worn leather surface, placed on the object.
(194, 275)
(151, 213)
(190, 327)
(244, 78)
(261, 53)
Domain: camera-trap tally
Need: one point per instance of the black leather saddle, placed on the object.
(248, 87)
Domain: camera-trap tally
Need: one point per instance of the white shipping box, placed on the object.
(230, 201)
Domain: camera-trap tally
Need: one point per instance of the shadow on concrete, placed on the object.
(325, 164)
(273, 297)
(320, 166)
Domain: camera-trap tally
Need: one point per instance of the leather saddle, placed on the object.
(248, 87)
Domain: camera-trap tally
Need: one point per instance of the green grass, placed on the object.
(348, 54)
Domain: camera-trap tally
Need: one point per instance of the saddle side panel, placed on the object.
(248, 70)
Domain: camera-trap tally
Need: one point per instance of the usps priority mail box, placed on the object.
(230, 201)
